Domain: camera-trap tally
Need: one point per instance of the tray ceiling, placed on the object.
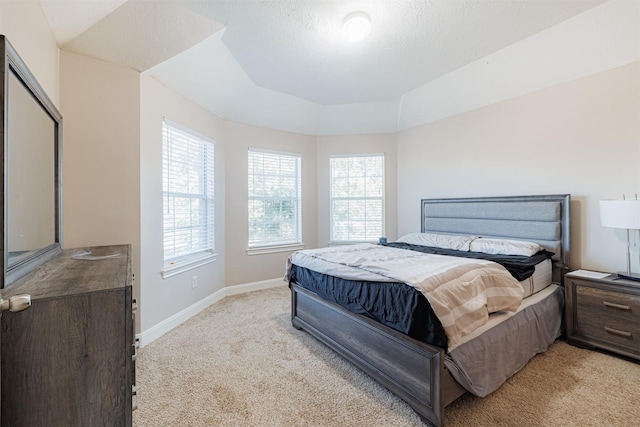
(288, 50)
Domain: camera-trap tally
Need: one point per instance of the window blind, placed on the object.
(188, 194)
(274, 198)
(357, 198)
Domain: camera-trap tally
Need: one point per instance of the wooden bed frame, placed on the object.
(411, 369)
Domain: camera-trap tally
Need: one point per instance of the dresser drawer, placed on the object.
(608, 303)
(610, 329)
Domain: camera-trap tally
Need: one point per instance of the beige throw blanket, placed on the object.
(461, 291)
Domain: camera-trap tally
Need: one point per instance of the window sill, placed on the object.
(186, 265)
(275, 249)
(354, 242)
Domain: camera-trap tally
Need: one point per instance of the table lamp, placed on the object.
(622, 214)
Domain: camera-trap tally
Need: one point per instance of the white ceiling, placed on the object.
(284, 64)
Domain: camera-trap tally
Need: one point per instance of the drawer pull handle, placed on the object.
(618, 306)
(618, 332)
(134, 399)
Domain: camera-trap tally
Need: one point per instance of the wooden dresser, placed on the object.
(68, 360)
(603, 313)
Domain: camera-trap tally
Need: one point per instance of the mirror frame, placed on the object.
(12, 63)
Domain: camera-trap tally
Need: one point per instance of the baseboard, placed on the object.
(255, 286)
(156, 331)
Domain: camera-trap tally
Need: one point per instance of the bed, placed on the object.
(410, 361)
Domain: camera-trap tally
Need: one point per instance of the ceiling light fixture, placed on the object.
(356, 26)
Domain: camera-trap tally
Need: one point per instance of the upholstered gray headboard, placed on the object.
(541, 219)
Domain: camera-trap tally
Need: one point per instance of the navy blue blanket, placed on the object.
(397, 305)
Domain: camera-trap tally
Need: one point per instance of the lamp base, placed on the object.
(628, 276)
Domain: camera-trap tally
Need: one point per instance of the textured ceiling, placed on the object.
(137, 33)
(296, 47)
(292, 50)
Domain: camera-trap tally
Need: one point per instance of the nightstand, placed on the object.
(603, 313)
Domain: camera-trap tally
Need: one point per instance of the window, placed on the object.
(274, 199)
(188, 204)
(357, 198)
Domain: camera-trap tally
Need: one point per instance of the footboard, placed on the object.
(411, 369)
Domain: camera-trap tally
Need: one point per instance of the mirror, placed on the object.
(32, 134)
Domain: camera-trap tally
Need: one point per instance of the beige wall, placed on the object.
(581, 138)
(100, 104)
(162, 298)
(241, 267)
(26, 28)
(357, 144)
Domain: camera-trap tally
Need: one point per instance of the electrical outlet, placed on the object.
(194, 282)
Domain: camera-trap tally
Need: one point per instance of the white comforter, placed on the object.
(461, 291)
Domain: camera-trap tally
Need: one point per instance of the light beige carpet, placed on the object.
(241, 363)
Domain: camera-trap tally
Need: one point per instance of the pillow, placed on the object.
(445, 241)
(504, 246)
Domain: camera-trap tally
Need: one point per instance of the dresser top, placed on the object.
(101, 268)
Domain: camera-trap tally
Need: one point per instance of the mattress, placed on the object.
(539, 280)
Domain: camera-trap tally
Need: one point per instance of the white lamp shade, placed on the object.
(620, 213)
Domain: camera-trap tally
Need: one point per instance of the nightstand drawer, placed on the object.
(603, 312)
(608, 303)
(610, 329)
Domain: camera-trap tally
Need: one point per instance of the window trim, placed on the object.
(183, 263)
(332, 241)
(274, 249)
(190, 262)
